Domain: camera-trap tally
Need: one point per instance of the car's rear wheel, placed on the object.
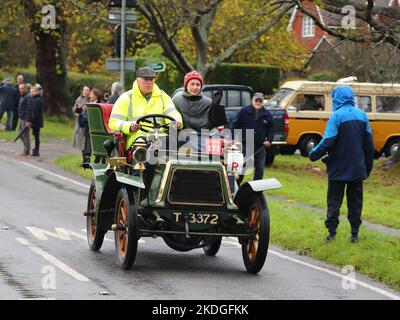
(307, 143)
(254, 251)
(95, 236)
(391, 147)
(126, 235)
(180, 243)
(213, 248)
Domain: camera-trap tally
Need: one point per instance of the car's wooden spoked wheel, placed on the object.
(95, 236)
(255, 250)
(126, 233)
(91, 217)
(122, 231)
(254, 222)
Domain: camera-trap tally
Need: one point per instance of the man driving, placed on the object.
(145, 98)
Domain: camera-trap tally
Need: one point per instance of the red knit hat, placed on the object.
(191, 76)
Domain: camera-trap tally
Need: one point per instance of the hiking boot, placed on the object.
(330, 237)
(35, 154)
(354, 238)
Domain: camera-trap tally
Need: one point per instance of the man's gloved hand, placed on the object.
(217, 97)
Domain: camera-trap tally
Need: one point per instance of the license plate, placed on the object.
(198, 218)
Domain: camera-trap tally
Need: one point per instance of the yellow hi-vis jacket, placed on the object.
(132, 105)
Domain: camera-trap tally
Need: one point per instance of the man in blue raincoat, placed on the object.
(349, 147)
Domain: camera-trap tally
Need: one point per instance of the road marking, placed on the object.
(55, 175)
(53, 260)
(108, 239)
(48, 172)
(333, 273)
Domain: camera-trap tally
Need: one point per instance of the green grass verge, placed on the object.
(61, 129)
(376, 255)
(306, 182)
(71, 163)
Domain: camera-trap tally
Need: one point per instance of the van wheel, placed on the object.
(391, 147)
(289, 150)
(307, 143)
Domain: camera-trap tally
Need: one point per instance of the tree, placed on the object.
(49, 36)
(169, 18)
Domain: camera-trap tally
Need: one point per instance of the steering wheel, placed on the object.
(149, 122)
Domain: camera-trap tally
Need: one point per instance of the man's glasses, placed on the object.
(259, 100)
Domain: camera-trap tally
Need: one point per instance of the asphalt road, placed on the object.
(44, 255)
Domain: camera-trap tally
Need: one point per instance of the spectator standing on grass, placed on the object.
(79, 132)
(348, 143)
(25, 112)
(37, 117)
(9, 99)
(95, 96)
(20, 80)
(256, 117)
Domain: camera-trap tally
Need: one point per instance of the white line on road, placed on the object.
(61, 265)
(55, 175)
(48, 172)
(333, 273)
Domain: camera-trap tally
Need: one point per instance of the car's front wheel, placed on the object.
(126, 235)
(254, 251)
(95, 236)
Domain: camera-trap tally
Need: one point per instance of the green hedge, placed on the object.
(260, 77)
(323, 76)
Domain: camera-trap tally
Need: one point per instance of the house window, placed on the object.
(308, 27)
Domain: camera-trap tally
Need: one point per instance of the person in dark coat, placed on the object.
(349, 147)
(37, 117)
(8, 102)
(20, 80)
(25, 112)
(116, 90)
(256, 117)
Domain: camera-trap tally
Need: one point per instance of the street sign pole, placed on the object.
(122, 71)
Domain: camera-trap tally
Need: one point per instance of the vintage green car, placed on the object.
(189, 203)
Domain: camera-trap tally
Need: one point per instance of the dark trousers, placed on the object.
(14, 120)
(9, 119)
(354, 196)
(259, 164)
(36, 135)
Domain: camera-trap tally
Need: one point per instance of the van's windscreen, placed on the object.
(279, 99)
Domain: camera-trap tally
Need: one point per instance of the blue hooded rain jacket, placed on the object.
(347, 140)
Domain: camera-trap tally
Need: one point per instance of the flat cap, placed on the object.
(146, 72)
(258, 95)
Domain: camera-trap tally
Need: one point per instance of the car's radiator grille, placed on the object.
(196, 186)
